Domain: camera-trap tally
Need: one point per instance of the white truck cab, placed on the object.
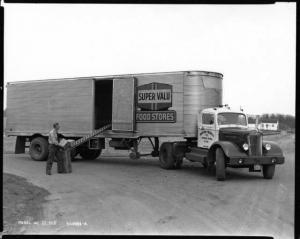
(210, 121)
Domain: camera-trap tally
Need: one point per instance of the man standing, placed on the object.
(53, 147)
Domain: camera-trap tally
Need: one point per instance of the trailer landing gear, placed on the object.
(155, 152)
(134, 154)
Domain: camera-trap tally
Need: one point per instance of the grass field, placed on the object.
(20, 199)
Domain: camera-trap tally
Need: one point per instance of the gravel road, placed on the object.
(117, 195)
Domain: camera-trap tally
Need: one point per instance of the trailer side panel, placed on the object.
(32, 107)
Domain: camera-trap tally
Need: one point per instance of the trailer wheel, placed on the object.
(268, 171)
(38, 149)
(89, 154)
(220, 165)
(73, 154)
(166, 158)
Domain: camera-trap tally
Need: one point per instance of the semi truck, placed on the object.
(184, 104)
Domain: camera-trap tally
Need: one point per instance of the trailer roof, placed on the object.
(216, 74)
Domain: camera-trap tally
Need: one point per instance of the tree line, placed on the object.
(286, 122)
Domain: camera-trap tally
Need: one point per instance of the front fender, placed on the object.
(230, 149)
(274, 151)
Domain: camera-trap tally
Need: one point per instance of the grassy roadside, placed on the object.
(285, 140)
(22, 201)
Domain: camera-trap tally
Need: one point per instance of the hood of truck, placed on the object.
(235, 135)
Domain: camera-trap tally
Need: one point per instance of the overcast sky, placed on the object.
(253, 46)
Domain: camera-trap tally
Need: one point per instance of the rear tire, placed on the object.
(220, 165)
(39, 149)
(89, 154)
(268, 171)
(166, 158)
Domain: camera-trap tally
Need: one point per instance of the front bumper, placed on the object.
(255, 160)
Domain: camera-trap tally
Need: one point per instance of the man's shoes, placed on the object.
(48, 172)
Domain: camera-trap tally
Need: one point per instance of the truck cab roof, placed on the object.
(223, 109)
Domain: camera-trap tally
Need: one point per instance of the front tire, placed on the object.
(268, 171)
(39, 149)
(166, 158)
(220, 165)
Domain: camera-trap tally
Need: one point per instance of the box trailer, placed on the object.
(151, 105)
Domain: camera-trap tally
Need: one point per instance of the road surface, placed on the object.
(117, 195)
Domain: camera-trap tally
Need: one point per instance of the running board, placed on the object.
(196, 155)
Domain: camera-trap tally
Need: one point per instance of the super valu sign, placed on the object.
(154, 99)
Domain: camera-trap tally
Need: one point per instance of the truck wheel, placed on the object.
(268, 171)
(38, 149)
(89, 154)
(220, 165)
(73, 154)
(166, 157)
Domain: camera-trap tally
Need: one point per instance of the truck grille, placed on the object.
(255, 144)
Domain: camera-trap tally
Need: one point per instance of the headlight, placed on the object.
(245, 147)
(267, 146)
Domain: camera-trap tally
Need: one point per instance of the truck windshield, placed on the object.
(232, 119)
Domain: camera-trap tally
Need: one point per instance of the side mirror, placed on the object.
(211, 122)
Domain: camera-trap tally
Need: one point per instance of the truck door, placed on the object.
(123, 110)
(207, 133)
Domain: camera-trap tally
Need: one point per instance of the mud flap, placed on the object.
(20, 145)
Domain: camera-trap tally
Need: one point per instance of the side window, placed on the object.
(207, 119)
(242, 120)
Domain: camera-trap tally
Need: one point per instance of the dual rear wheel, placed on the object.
(167, 158)
(38, 149)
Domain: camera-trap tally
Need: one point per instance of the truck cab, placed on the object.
(212, 120)
(225, 140)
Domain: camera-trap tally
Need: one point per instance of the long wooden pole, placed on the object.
(87, 138)
(67, 151)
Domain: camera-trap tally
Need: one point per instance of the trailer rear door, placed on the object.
(123, 116)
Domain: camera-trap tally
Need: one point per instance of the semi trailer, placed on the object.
(184, 104)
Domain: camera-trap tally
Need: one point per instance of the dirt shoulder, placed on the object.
(22, 203)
